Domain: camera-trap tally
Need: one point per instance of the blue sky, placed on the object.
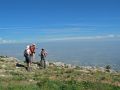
(52, 20)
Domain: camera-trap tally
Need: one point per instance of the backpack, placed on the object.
(25, 53)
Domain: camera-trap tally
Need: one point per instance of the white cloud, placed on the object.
(7, 28)
(104, 37)
(99, 37)
(110, 36)
(2, 41)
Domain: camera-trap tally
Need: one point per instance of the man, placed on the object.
(32, 49)
(43, 54)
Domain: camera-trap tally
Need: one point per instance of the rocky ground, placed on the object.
(14, 71)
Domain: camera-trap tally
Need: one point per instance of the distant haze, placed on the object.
(92, 53)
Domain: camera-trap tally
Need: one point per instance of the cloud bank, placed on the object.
(98, 37)
(3, 41)
(110, 36)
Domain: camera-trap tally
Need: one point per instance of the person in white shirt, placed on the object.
(27, 53)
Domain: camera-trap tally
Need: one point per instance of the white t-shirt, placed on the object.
(28, 51)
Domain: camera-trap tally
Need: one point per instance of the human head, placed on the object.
(42, 49)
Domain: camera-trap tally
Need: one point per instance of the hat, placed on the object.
(33, 45)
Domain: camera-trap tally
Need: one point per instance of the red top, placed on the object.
(32, 49)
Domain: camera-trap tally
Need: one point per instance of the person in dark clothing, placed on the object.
(43, 54)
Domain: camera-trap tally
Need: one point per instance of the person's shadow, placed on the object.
(20, 65)
(38, 64)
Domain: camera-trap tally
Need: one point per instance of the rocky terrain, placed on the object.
(56, 76)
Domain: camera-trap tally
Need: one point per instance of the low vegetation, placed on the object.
(14, 76)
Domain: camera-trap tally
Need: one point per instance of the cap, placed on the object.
(33, 44)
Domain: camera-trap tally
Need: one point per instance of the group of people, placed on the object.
(29, 54)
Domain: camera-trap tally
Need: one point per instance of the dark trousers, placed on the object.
(27, 59)
(42, 62)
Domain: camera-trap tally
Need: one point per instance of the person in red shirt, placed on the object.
(32, 49)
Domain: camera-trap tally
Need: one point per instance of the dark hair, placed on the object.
(42, 49)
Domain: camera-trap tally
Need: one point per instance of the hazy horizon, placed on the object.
(91, 53)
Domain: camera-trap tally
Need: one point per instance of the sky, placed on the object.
(54, 20)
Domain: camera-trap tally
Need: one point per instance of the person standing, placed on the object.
(32, 55)
(27, 53)
(43, 54)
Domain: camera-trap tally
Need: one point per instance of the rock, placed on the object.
(70, 66)
(2, 75)
(3, 56)
(47, 63)
(3, 66)
(31, 80)
(59, 64)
